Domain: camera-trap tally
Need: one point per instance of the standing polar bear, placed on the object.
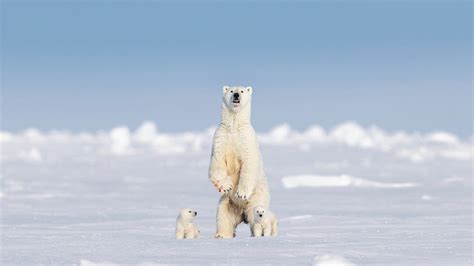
(236, 168)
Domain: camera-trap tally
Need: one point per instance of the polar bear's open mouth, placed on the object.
(236, 102)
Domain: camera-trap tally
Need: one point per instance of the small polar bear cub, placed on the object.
(265, 222)
(185, 227)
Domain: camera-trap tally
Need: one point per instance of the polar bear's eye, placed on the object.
(190, 211)
(231, 91)
(241, 91)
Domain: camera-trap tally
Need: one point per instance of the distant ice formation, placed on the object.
(28, 145)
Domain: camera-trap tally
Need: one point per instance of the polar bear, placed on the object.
(185, 227)
(236, 168)
(265, 222)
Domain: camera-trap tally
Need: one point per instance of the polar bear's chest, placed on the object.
(234, 143)
(189, 227)
(233, 153)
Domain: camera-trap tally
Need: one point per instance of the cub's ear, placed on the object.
(249, 89)
(225, 89)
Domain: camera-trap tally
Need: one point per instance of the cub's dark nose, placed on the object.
(236, 95)
(196, 213)
(261, 215)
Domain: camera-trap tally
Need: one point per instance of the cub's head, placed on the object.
(259, 213)
(237, 97)
(188, 214)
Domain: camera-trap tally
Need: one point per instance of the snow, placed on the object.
(352, 134)
(426, 197)
(331, 260)
(32, 155)
(146, 132)
(344, 196)
(337, 181)
(120, 138)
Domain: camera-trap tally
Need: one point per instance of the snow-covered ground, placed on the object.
(347, 196)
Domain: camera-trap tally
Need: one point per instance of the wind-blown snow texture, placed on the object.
(348, 196)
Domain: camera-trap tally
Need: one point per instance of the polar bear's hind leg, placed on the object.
(257, 230)
(274, 227)
(227, 219)
(267, 230)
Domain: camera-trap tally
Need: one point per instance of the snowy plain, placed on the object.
(345, 196)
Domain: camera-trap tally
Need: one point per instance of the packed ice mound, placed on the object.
(337, 181)
(331, 260)
(120, 142)
(92, 263)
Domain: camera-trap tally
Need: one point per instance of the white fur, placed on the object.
(185, 227)
(236, 168)
(265, 223)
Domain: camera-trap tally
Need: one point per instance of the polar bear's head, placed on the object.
(237, 97)
(258, 213)
(187, 215)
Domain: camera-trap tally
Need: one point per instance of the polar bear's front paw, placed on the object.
(242, 195)
(224, 186)
(222, 236)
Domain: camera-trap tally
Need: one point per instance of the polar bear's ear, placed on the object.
(249, 89)
(225, 89)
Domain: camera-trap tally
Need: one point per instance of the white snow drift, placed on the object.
(337, 181)
(331, 260)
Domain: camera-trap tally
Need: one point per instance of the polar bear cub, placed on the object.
(185, 227)
(265, 222)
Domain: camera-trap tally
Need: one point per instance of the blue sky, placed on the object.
(94, 65)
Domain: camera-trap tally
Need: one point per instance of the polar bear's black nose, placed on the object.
(236, 95)
(196, 213)
(260, 215)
